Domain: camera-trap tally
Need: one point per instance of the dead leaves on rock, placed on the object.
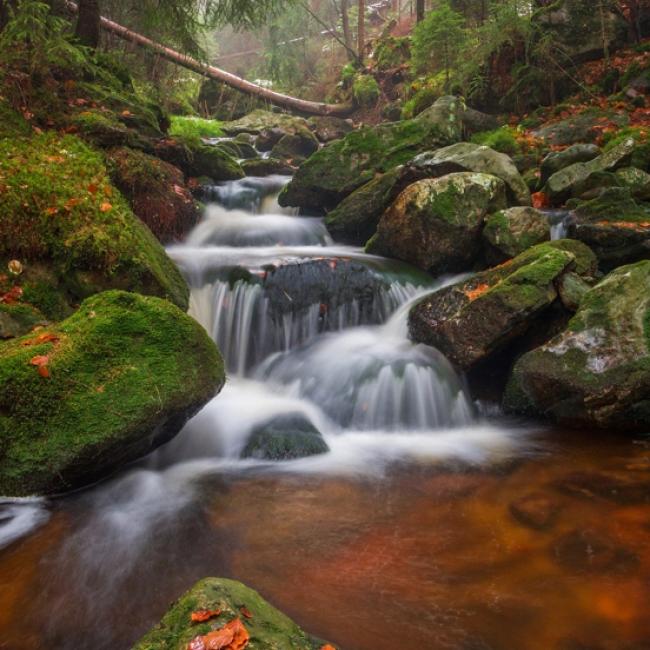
(232, 636)
(477, 292)
(203, 615)
(41, 361)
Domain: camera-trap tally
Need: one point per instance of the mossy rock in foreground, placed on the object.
(597, 372)
(474, 319)
(269, 629)
(118, 378)
(73, 231)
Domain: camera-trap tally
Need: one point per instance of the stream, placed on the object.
(407, 533)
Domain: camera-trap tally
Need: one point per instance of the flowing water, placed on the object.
(407, 533)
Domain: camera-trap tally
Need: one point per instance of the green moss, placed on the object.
(421, 100)
(392, 51)
(365, 90)
(124, 368)
(12, 123)
(18, 319)
(60, 209)
(348, 72)
(192, 129)
(269, 629)
(502, 139)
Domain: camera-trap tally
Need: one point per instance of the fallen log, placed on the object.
(278, 99)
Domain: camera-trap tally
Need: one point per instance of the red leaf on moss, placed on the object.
(202, 615)
(245, 612)
(41, 362)
(12, 296)
(106, 207)
(232, 636)
(541, 200)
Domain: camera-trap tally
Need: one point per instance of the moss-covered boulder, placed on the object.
(365, 90)
(196, 158)
(615, 226)
(261, 120)
(571, 180)
(510, 232)
(73, 232)
(557, 160)
(435, 224)
(267, 167)
(156, 192)
(295, 147)
(637, 180)
(329, 128)
(101, 388)
(585, 127)
(596, 373)
(468, 157)
(579, 28)
(17, 318)
(267, 627)
(285, 437)
(341, 167)
(473, 320)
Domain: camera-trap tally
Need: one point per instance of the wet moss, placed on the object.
(365, 90)
(194, 128)
(269, 629)
(124, 374)
(60, 210)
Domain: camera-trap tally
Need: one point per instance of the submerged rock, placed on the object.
(615, 226)
(268, 628)
(343, 166)
(156, 191)
(436, 224)
(285, 437)
(74, 233)
(510, 232)
(597, 372)
(535, 510)
(104, 387)
(474, 319)
(468, 157)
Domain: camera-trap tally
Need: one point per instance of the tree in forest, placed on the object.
(437, 41)
(88, 28)
(419, 10)
(361, 31)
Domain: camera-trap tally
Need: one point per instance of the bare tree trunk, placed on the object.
(419, 10)
(361, 33)
(88, 23)
(286, 101)
(345, 21)
(6, 8)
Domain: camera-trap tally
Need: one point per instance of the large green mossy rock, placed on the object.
(579, 129)
(615, 226)
(579, 28)
(341, 167)
(596, 373)
(269, 629)
(473, 320)
(73, 232)
(435, 224)
(508, 233)
(118, 378)
(572, 180)
(285, 437)
(261, 120)
(469, 157)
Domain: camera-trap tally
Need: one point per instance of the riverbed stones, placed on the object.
(621, 487)
(260, 120)
(596, 373)
(341, 167)
(508, 233)
(564, 183)
(614, 225)
(435, 224)
(535, 510)
(295, 147)
(558, 160)
(474, 319)
(285, 437)
(468, 157)
(102, 388)
(267, 167)
(268, 628)
(592, 551)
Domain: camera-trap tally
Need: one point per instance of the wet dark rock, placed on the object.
(267, 167)
(596, 373)
(591, 551)
(295, 147)
(435, 224)
(285, 437)
(578, 129)
(328, 129)
(535, 510)
(474, 320)
(268, 138)
(622, 490)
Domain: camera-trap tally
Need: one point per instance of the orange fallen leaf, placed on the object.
(92, 188)
(477, 292)
(51, 211)
(41, 362)
(71, 203)
(45, 337)
(232, 636)
(106, 207)
(202, 615)
(12, 296)
(541, 200)
(327, 646)
(245, 612)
